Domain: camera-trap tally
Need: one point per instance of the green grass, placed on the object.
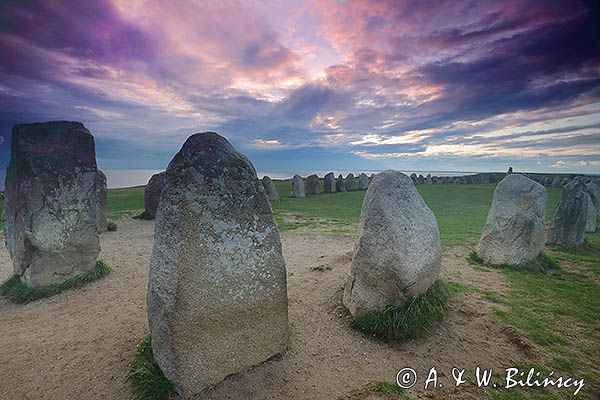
(321, 268)
(121, 201)
(415, 319)
(384, 387)
(474, 259)
(19, 292)
(148, 380)
(111, 227)
(144, 215)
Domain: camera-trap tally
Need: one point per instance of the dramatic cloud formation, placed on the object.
(325, 84)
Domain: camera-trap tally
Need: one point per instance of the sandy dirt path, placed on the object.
(77, 345)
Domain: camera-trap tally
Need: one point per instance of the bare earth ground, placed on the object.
(77, 345)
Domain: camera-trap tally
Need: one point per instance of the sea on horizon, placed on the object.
(122, 178)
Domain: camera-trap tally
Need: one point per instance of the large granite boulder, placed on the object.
(270, 189)
(397, 252)
(340, 184)
(363, 181)
(217, 297)
(594, 191)
(312, 185)
(329, 183)
(297, 187)
(53, 202)
(514, 231)
(568, 224)
(590, 220)
(152, 193)
(102, 194)
(350, 182)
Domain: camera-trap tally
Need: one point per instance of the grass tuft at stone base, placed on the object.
(415, 319)
(111, 226)
(19, 292)
(144, 215)
(147, 378)
(385, 388)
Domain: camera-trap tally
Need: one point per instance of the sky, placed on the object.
(442, 85)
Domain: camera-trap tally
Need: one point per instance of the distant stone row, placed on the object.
(330, 184)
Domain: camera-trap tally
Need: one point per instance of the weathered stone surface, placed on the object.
(556, 182)
(428, 179)
(397, 252)
(514, 230)
(564, 182)
(312, 185)
(590, 220)
(421, 180)
(217, 297)
(329, 183)
(340, 184)
(297, 187)
(53, 202)
(102, 193)
(568, 224)
(350, 182)
(414, 178)
(547, 181)
(363, 181)
(594, 191)
(270, 189)
(152, 193)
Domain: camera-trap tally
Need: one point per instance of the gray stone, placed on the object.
(363, 182)
(421, 180)
(564, 182)
(514, 230)
(556, 182)
(350, 182)
(510, 170)
(297, 187)
(590, 220)
(594, 191)
(53, 202)
(397, 252)
(329, 183)
(312, 185)
(547, 181)
(340, 184)
(152, 193)
(217, 297)
(270, 189)
(414, 178)
(102, 194)
(428, 179)
(568, 224)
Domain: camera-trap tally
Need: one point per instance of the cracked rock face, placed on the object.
(152, 193)
(217, 297)
(53, 205)
(514, 230)
(397, 252)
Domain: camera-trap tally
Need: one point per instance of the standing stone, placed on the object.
(152, 193)
(414, 178)
(270, 189)
(556, 182)
(329, 183)
(340, 184)
(217, 297)
(312, 185)
(421, 180)
(428, 179)
(514, 230)
(568, 224)
(371, 177)
(297, 186)
(397, 252)
(510, 171)
(594, 191)
(53, 202)
(363, 181)
(564, 182)
(102, 194)
(350, 183)
(590, 220)
(547, 181)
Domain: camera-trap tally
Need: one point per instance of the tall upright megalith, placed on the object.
(298, 187)
(152, 193)
(363, 181)
(350, 182)
(329, 183)
(567, 227)
(52, 202)
(217, 297)
(270, 188)
(397, 253)
(312, 184)
(340, 184)
(514, 230)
